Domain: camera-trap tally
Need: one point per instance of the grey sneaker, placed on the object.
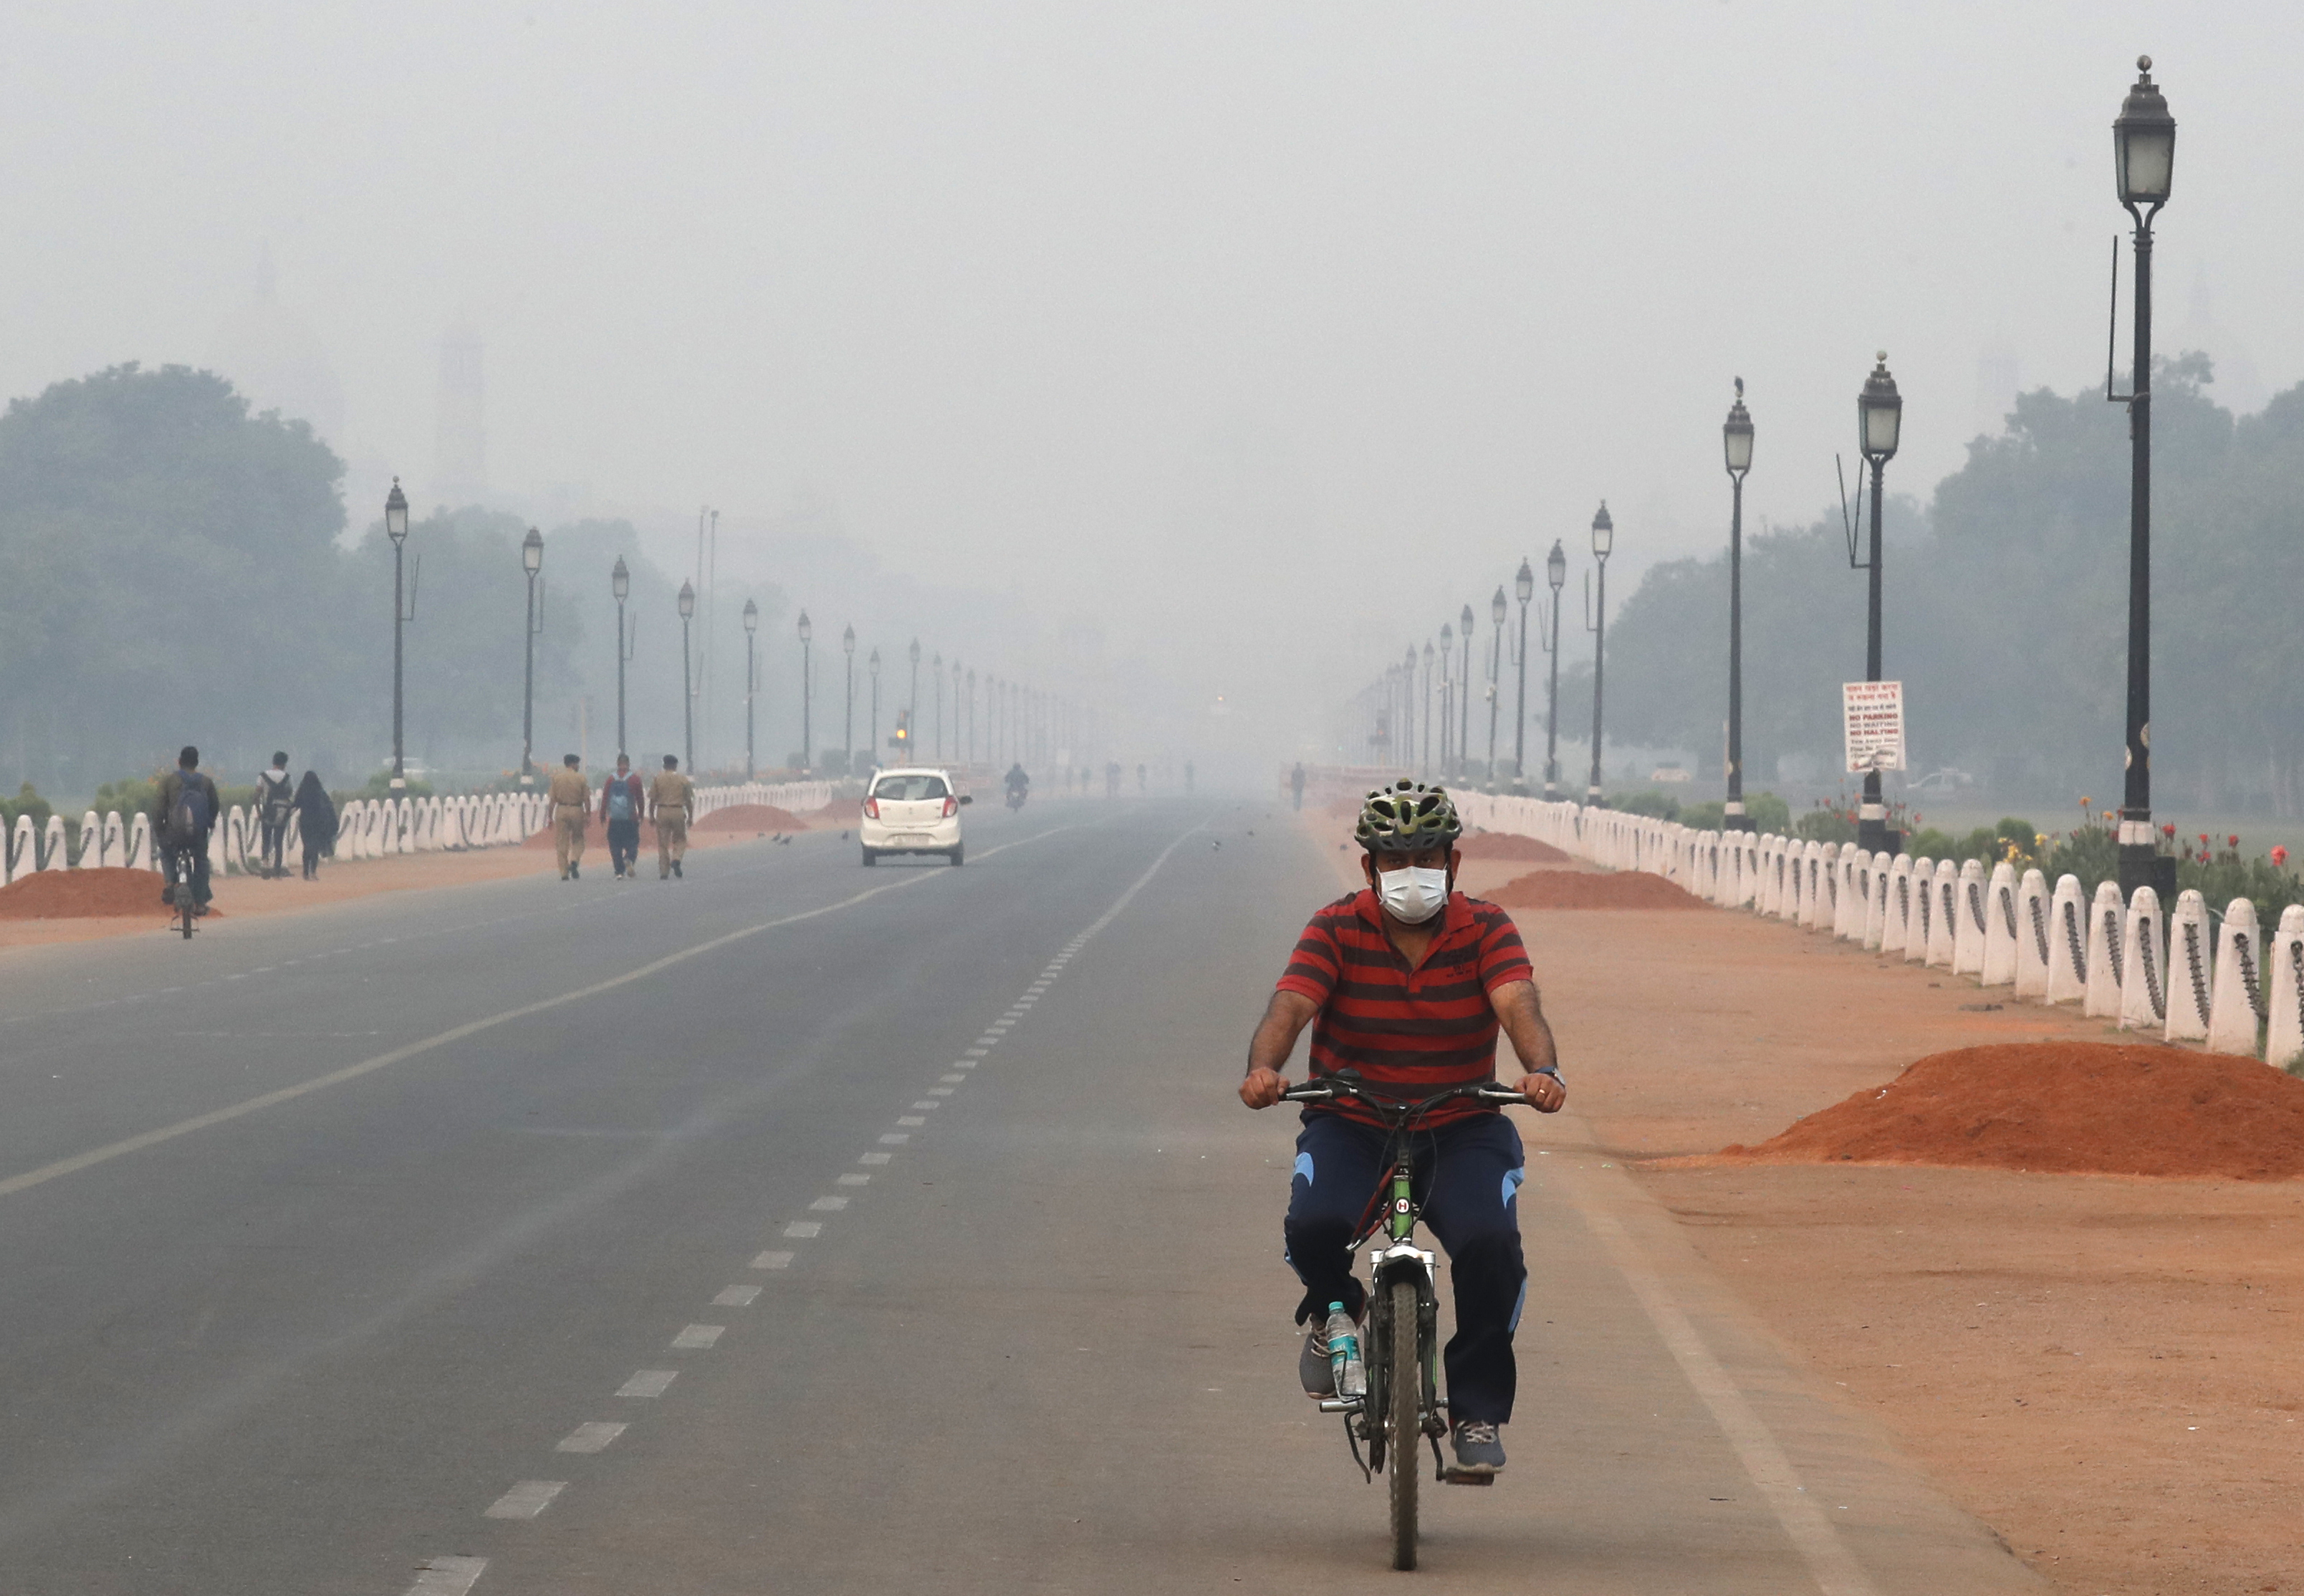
(1312, 1364)
(1480, 1450)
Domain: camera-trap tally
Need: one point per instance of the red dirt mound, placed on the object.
(1506, 845)
(751, 818)
(2064, 1108)
(1574, 889)
(108, 894)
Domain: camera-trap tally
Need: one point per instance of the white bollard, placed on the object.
(1875, 900)
(2068, 942)
(1944, 915)
(2144, 978)
(1968, 921)
(2000, 927)
(1919, 929)
(1816, 888)
(2032, 945)
(2239, 1002)
(2104, 970)
(1848, 914)
(1896, 907)
(2189, 995)
(1772, 879)
(2283, 991)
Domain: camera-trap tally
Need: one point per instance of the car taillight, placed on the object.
(872, 808)
(950, 808)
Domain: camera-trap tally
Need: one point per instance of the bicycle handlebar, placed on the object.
(1328, 1088)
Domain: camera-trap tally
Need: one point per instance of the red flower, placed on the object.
(2232, 842)
(2169, 830)
(2279, 856)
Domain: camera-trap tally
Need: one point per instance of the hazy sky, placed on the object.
(1269, 333)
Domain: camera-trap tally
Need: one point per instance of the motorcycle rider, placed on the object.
(1020, 785)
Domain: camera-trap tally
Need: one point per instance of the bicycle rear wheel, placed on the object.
(185, 906)
(1403, 1423)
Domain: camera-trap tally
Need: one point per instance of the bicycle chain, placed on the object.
(2072, 936)
(2145, 935)
(2256, 998)
(2199, 976)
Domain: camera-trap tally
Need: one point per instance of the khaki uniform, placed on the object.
(572, 801)
(671, 797)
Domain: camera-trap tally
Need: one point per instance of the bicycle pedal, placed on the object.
(1457, 1476)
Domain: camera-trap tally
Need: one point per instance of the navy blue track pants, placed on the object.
(1467, 1184)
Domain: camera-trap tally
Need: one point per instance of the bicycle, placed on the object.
(1399, 1344)
(184, 890)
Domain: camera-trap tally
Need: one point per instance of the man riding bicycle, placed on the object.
(1407, 983)
(183, 813)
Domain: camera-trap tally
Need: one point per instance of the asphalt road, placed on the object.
(802, 1228)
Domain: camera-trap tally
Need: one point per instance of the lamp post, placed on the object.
(396, 527)
(1880, 418)
(971, 717)
(1604, 540)
(1555, 572)
(936, 686)
(620, 582)
(1424, 718)
(912, 703)
(957, 752)
(1447, 693)
(686, 677)
(752, 681)
(807, 688)
(1464, 698)
(848, 727)
(2144, 151)
(1495, 677)
(1408, 709)
(872, 670)
(532, 559)
(1524, 587)
(1736, 445)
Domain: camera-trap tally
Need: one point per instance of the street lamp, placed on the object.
(752, 679)
(936, 686)
(912, 704)
(1408, 709)
(396, 527)
(687, 682)
(956, 722)
(872, 670)
(2144, 152)
(1496, 608)
(1736, 445)
(1604, 540)
(1555, 572)
(620, 582)
(971, 717)
(1524, 588)
(807, 688)
(1880, 420)
(1464, 698)
(532, 559)
(848, 729)
(1447, 689)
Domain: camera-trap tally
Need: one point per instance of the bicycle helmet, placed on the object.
(1408, 818)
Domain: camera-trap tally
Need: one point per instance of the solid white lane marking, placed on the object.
(648, 1382)
(875, 1158)
(895, 1138)
(526, 1499)
(698, 1338)
(446, 1576)
(804, 1230)
(454, 1033)
(737, 1296)
(828, 1204)
(909, 1119)
(590, 1438)
(772, 1260)
(852, 1180)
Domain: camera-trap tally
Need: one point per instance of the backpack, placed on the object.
(620, 799)
(188, 814)
(277, 798)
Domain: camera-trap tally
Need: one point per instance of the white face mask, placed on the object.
(1411, 895)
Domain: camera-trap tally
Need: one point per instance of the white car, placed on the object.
(914, 810)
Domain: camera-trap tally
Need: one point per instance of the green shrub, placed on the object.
(1825, 823)
(1655, 806)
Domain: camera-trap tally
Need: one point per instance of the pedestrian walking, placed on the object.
(623, 802)
(572, 802)
(275, 800)
(671, 797)
(316, 823)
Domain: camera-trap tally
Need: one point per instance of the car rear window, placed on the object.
(909, 789)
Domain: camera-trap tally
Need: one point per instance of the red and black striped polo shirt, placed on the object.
(1409, 1031)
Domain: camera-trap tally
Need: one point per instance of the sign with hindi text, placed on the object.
(1873, 714)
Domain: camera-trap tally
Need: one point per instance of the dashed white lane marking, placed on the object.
(894, 1138)
(590, 1438)
(526, 1499)
(940, 1091)
(827, 1205)
(804, 1230)
(446, 1576)
(855, 1179)
(952, 1080)
(978, 1052)
(923, 1106)
(965, 1063)
(875, 1158)
(648, 1382)
(772, 1260)
(698, 1338)
(914, 1120)
(737, 1296)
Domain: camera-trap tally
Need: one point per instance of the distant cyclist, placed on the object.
(183, 816)
(1020, 785)
(1407, 983)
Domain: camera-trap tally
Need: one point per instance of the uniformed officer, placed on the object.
(671, 797)
(571, 803)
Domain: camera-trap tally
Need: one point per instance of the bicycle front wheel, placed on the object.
(1403, 1423)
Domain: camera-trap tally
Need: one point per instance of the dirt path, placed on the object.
(2107, 1370)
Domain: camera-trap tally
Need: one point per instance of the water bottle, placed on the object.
(1344, 1352)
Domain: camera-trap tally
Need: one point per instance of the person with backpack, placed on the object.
(316, 823)
(622, 800)
(183, 816)
(275, 800)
